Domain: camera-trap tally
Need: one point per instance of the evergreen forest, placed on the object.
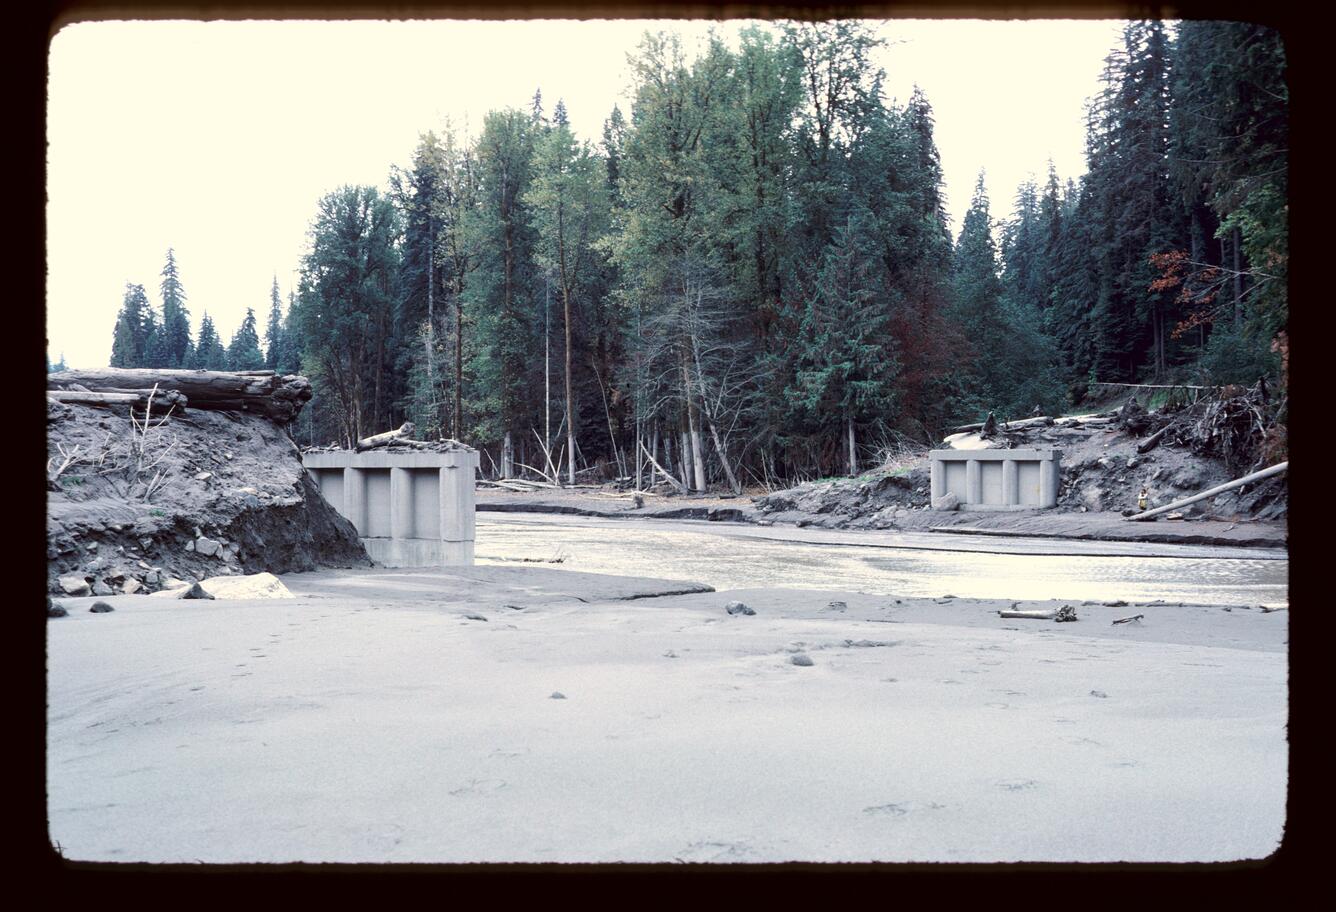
(750, 278)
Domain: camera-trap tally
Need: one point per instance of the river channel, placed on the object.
(738, 556)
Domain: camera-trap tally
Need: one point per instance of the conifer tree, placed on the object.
(209, 351)
(177, 347)
(135, 328)
(273, 333)
(244, 353)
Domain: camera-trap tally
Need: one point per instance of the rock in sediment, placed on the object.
(101, 608)
(193, 591)
(254, 586)
(55, 609)
(802, 658)
(948, 501)
(207, 546)
(838, 606)
(475, 617)
(73, 584)
(557, 695)
(738, 608)
(190, 546)
(131, 586)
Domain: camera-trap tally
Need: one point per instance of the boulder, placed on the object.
(55, 609)
(131, 586)
(73, 584)
(738, 608)
(101, 588)
(101, 608)
(254, 586)
(193, 591)
(207, 546)
(948, 501)
(802, 658)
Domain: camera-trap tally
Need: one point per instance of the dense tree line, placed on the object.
(751, 277)
(160, 337)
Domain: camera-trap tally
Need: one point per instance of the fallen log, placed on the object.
(162, 399)
(1008, 426)
(1065, 613)
(1218, 489)
(279, 398)
(1129, 619)
(1152, 441)
(403, 432)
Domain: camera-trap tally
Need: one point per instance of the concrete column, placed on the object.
(401, 503)
(938, 470)
(1010, 476)
(973, 482)
(455, 525)
(1048, 482)
(354, 498)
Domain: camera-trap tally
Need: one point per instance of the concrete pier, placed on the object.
(410, 509)
(997, 479)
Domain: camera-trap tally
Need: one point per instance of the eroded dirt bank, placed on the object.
(202, 494)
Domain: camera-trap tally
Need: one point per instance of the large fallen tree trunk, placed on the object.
(162, 399)
(279, 398)
(1218, 489)
(401, 434)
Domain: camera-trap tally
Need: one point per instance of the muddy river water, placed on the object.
(737, 556)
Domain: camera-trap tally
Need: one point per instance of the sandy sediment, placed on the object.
(386, 716)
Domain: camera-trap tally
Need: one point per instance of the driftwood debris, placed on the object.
(1211, 492)
(1065, 613)
(278, 397)
(1129, 619)
(401, 434)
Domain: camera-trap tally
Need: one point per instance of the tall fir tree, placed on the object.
(177, 346)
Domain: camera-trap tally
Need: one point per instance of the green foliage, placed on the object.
(758, 248)
(209, 353)
(244, 353)
(1237, 356)
(177, 349)
(135, 327)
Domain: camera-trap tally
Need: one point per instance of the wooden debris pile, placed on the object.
(399, 440)
(1244, 428)
(277, 397)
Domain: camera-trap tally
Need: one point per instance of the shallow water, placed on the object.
(730, 556)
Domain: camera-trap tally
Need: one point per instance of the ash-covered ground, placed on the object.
(203, 493)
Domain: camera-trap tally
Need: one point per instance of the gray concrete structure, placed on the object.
(998, 479)
(411, 509)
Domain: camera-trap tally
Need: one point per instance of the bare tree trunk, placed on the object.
(697, 462)
(653, 453)
(458, 430)
(853, 447)
(431, 324)
(547, 363)
(507, 457)
(723, 459)
(667, 451)
(1234, 246)
(570, 401)
(686, 456)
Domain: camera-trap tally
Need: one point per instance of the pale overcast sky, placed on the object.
(217, 139)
